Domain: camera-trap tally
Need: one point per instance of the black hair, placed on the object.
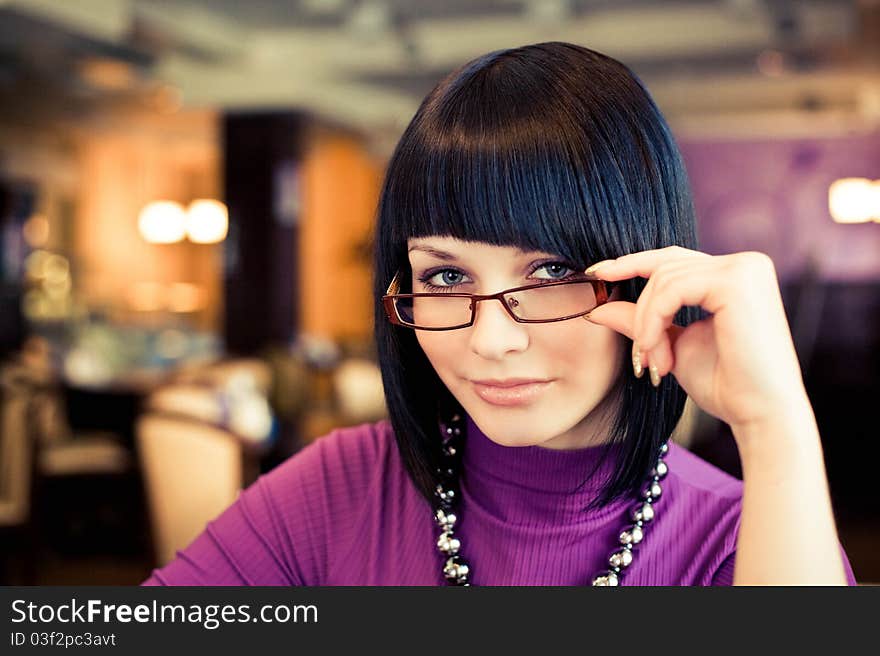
(550, 147)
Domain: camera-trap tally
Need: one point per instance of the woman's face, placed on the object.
(580, 360)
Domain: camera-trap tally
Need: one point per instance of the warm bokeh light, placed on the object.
(36, 231)
(185, 297)
(56, 268)
(207, 221)
(163, 222)
(107, 74)
(147, 296)
(35, 264)
(854, 200)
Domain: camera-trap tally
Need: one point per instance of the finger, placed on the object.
(641, 264)
(660, 279)
(617, 315)
(704, 288)
(662, 356)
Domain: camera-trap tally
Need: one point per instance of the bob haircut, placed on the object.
(550, 147)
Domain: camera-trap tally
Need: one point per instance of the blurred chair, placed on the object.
(192, 471)
(61, 451)
(358, 390)
(199, 442)
(77, 477)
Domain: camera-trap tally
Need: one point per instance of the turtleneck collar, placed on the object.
(531, 484)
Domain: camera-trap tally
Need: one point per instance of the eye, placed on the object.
(557, 270)
(440, 279)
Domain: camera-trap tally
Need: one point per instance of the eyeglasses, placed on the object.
(540, 303)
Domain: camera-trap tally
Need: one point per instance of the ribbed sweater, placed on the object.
(343, 511)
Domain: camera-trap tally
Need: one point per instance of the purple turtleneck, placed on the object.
(342, 511)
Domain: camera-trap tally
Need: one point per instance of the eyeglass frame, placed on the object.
(601, 288)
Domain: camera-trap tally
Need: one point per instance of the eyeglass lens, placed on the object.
(537, 304)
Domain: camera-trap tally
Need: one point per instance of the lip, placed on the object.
(510, 382)
(510, 392)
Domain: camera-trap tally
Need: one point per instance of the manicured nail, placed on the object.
(637, 360)
(593, 269)
(655, 375)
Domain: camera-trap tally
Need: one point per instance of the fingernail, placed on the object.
(655, 375)
(637, 360)
(593, 269)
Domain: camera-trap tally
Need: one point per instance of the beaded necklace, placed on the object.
(457, 571)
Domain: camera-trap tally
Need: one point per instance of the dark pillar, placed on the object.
(262, 157)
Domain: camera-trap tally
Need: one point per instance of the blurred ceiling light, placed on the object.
(207, 221)
(162, 222)
(854, 200)
(107, 74)
(36, 231)
(185, 297)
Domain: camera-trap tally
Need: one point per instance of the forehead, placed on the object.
(449, 247)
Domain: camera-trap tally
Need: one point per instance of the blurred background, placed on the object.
(187, 194)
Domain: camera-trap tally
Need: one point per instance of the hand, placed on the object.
(739, 364)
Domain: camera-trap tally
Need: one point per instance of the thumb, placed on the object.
(617, 315)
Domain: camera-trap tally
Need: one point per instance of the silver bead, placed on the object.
(607, 579)
(444, 494)
(446, 520)
(456, 417)
(652, 491)
(448, 544)
(633, 535)
(622, 558)
(660, 470)
(644, 512)
(664, 449)
(449, 431)
(455, 571)
(450, 450)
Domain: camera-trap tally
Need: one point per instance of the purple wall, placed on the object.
(772, 196)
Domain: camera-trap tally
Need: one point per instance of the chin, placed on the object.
(512, 428)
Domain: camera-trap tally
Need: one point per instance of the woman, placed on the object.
(535, 230)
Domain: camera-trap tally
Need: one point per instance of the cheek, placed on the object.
(440, 348)
(583, 352)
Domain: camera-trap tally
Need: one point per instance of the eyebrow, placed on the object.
(441, 255)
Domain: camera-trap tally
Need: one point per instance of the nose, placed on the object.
(495, 332)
